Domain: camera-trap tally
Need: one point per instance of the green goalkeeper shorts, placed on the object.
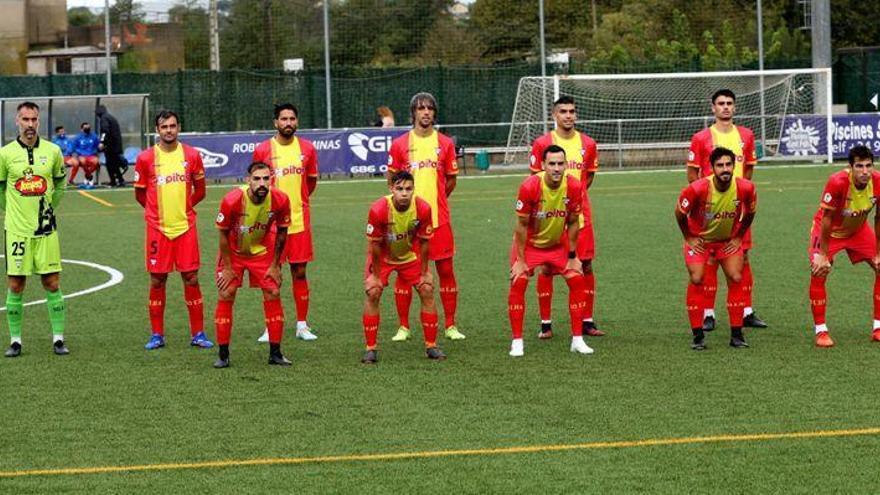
(32, 255)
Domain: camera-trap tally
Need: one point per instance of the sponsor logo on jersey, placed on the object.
(290, 170)
(30, 184)
(163, 180)
(540, 215)
(721, 215)
(423, 164)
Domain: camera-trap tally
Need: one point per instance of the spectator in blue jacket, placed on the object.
(66, 145)
(85, 149)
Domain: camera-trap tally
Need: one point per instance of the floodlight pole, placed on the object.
(543, 62)
(327, 64)
(215, 36)
(761, 68)
(107, 45)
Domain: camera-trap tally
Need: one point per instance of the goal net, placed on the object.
(647, 120)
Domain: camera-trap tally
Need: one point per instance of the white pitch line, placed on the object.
(116, 277)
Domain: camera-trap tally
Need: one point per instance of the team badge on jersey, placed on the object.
(685, 203)
(827, 198)
(220, 218)
(370, 228)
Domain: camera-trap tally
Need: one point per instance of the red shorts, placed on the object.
(860, 247)
(164, 255)
(713, 251)
(298, 248)
(747, 240)
(586, 244)
(256, 266)
(408, 273)
(554, 258)
(70, 161)
(90, 163)
(442, 243)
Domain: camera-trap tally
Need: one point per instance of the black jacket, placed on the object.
(108, 128)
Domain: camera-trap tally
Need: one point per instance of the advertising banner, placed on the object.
(340, 151)
(804, 135)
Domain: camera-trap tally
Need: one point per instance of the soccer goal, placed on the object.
(647, 120)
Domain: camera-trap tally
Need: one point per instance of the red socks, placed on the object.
(735, 303)
(301, 298)
(710, 285)
(192, 294)
(877, 298)
(818, 299)
(156, 308)
(402, 300)
(448, 289)
(747, 282)
(589, 294)
(274, 314)
(576, 303)
(371, 330)
(73, 171)
(429, 327)
(516, 305)
(545, 296)
(694, 301)
(223, 321)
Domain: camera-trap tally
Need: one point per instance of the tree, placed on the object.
(126, 12)
(81, 16)
(194, 19)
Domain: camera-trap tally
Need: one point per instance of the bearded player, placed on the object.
(714, 213)
(295, 165)
(723, 133)
(31, 186)
(841, 224)
(430, 157)
(583, 162)
(548, 209)
(253, 222)
(169, 182)
(399, 228)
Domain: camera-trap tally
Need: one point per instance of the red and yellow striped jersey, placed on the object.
(740, 140)
(430, 160)
(548, 209)
(292, 164)
(715, 215)
(848, 205)
(397, 230)
(168, 178)
(250, 227)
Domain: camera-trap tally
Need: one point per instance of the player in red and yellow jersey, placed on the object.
(295, 164)
(548, 209)
(399, 228)
(713, 214)
(723, 133)
(169, 181)
(430, 157)
(842, 224)
(253, 223)
(583, 162)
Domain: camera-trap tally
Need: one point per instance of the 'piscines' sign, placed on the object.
(340, 151)
(804, 135)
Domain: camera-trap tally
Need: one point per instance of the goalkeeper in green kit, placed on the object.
(31, 184)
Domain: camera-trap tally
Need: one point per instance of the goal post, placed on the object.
(647, 120)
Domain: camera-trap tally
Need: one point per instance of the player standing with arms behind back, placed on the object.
(430, 157)
(582, 155)
(169, 182)
(724, 134)
(295, 165)
(31, 185)
(841, 224)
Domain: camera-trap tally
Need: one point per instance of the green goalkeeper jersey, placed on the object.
(33, 179)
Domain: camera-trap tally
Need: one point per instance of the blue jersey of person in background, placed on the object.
(65, 143)
(86, 143)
